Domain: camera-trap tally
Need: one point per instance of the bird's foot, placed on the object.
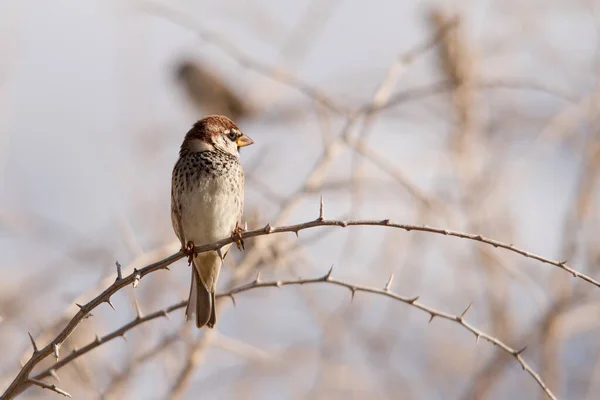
(190, 250)
(236, 236)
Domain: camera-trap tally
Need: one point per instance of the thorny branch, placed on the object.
(327, 279)
(21, 381)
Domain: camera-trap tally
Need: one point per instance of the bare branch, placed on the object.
(327, 279)
(53, 388)
(98, 341)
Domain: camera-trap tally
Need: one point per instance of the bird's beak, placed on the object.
(244, 141)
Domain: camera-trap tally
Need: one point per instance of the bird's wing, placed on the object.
(176, 217)
(241, 211)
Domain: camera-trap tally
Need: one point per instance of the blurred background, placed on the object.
(479, 116)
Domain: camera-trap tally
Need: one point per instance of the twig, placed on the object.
(66, 316)
(438, 88)
(53, 388)
(98, 341)
(327, 279)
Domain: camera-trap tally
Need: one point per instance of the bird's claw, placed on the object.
(190, 250)
(236, 236)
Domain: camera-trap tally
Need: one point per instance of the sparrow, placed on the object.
(207, 199)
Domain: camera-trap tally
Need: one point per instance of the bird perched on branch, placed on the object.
(207, 198)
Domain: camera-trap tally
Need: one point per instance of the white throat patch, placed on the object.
(198, 145)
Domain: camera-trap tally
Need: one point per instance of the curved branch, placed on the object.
(21, 380)
(327, 279)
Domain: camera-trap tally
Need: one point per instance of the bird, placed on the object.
(207, 200)
(209, 92)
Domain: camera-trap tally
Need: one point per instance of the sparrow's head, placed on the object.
(215, 132)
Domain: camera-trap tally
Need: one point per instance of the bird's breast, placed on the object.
(211, 205)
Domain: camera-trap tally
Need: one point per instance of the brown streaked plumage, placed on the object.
(207, 198)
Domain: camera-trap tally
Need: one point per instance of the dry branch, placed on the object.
(326, 279)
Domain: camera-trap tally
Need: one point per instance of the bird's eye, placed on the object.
(232, 135)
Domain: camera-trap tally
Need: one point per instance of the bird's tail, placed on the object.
(205, 272)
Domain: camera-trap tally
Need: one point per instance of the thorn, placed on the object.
(167, 268)
(328, 276)
(478, 237)
(446, 232)
(55, 350)
(136, 277)
(35, 349)
(87, 315)
(389, 283)
(231, 296)
(296, 232)
(257, 280)
(220, 254)
(278, 284)
(60, 391)
(268, 228)
(343, 224)
(119, 272)
(321, 210)
(562, 263)
(111, 304)
(519, 352)
(245, 225)
(138, 309)
(353, 291)
(98, 340)
(53, 374)
(411, 301)
(166, 314)
(386, 221)
(477, 338)
(432, 316)
(123, 336)
(465, 312)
